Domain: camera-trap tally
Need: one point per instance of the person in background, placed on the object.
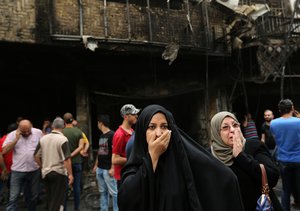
(244, 158)
(249, 128)
(286, 131)
(129, 146)
(295, 203)
(103, 167)
(54, 157)
(47, 126)
(169, 171)
(86, 142)
(129, 113)
(266, 135)
(23, 142)
(75, 139)
(5, 170)
(18, 120)
(3, 178)
(84, 154)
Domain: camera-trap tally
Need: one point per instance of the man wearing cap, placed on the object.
(129, 114)
(76, 142)
(286, 131)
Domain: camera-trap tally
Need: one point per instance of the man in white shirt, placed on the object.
(23, 142)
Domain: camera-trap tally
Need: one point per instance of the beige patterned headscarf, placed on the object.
(219, 149)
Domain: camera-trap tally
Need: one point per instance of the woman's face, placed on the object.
(227, 130)
(157, 126)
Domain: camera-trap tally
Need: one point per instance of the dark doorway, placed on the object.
(34, 85)
(181, 110)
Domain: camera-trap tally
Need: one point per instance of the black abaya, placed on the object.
(187, 177)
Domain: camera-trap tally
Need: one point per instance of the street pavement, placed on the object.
(90, 200)
(92, 205)
(277, 191)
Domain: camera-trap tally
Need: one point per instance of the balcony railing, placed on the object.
(138, 23)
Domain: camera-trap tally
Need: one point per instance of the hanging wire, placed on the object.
(287, 49)
(168, 21)
(128, 19)
(204, 12)
(239, 79)
(243, 82)
(80, 17)
(149, 20)
(105, 19)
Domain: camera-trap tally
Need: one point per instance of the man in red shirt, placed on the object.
(6, 160)
(129, 114)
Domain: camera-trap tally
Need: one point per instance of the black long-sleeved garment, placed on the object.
(187, 177)
(247, 169)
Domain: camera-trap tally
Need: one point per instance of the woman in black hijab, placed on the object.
(168, 171)
(244, 158)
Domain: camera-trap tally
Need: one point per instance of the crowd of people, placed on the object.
(150, 164)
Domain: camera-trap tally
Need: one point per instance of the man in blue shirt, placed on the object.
(129, 145)
(286, 131)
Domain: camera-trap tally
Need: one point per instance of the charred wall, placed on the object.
(47, 38)
(37, 83)
(48, 81)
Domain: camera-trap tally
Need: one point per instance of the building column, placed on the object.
(83, 108)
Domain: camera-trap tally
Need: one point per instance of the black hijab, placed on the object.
(187, 177)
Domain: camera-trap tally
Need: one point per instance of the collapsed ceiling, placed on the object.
(275, 35)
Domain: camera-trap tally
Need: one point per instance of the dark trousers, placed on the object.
(56, 188)
(290, 175)
(17, 181)
(119, 184)
(77, 173)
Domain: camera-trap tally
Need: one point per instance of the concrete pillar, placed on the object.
(83, 108)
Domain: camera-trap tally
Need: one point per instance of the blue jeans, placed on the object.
(290, 175)
(3, 184)
(77, 171)
(107, 185)
(17, 181)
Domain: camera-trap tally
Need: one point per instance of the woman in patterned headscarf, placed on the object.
(244, 158)
(168, 171)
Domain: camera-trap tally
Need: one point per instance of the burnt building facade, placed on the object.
(194, 57)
